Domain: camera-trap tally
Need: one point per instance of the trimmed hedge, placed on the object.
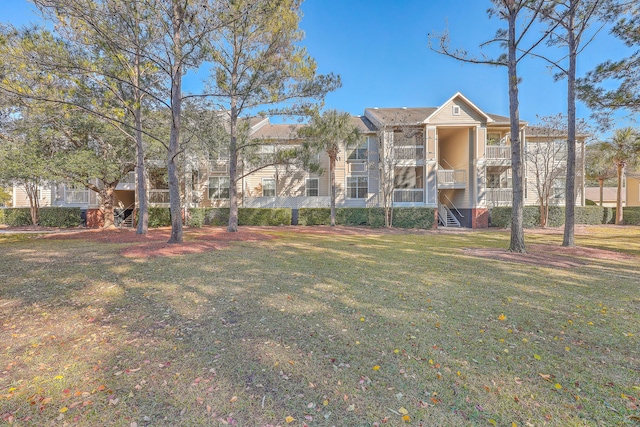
(17, 217)
(246, 216)
(592, 215)
(252, 216)
(60, 217)
(159, 217)
(631, 215)
(196, 217)
(413, 217)
(370, 217)
(48, 217)
(314, 216)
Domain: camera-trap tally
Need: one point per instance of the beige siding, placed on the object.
(432, 143)
(481, 141)
(633, 191)
(21, 200)
(446, 114)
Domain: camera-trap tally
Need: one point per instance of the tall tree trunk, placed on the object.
(619, 208)
(174, 139)
(233, 169)
(108, 199)
(543, 213)
(34, 203)
(517, 228)
(570, 195)
(141, 181)
(332, 173)
(601, 184)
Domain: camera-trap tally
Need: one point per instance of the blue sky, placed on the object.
(380, 48)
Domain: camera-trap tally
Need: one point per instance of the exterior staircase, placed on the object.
(127, 222)
(446, 218)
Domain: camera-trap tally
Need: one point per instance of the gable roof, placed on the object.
(277, 131)
(363, 124)
(398, 116)
(466, 101)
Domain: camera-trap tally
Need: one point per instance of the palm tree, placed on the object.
(329, 132)
(624, 147)
(599, 164)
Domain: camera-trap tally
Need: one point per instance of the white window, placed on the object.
(312, 187)
(268, 187)
(357, 187)
(266, 152)
(218, 187)
(456, 110)
(357, 167)
(359, 152)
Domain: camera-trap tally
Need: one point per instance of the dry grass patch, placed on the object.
(326, 327)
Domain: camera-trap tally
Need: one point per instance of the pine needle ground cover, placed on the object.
(321, 328)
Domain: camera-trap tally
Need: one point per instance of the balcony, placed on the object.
(499, 196)
(128, 182)
(498, 153)
(408, 195)
(408, 152)
(452, 178)
(80, 197)
(159, 197)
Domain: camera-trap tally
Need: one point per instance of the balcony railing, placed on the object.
(159, 196)
(408, 195)
(499, 195)
(452, 178)
(408, 152)
(77, 196)
(498, 152)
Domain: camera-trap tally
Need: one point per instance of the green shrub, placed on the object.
(159, 217)
(501, 216)
(592, 215)
(631, 215)
(1, 216)
(370, 217)
(59, 217)
(608, 215)
(314, 216)
(423, 218)
(352, 216)
(264, 217)
(376, 217)
(216, 216)
(17, 217)
(196, 217)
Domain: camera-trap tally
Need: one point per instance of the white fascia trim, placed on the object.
(461, 96)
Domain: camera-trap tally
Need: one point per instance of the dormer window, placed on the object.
(456, 110)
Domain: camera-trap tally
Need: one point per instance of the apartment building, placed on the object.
(454, 157)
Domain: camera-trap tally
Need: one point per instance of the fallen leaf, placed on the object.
(289, 419)
(376, 368)
(63, 409)
(233, 399)
(403, 411)
(502, 317)
(558, 386)
(406, 418)
(351, 407)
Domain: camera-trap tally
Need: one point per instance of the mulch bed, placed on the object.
(154, 243)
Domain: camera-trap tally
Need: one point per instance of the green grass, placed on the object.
(293, 327)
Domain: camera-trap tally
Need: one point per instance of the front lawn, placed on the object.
(321, 327)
